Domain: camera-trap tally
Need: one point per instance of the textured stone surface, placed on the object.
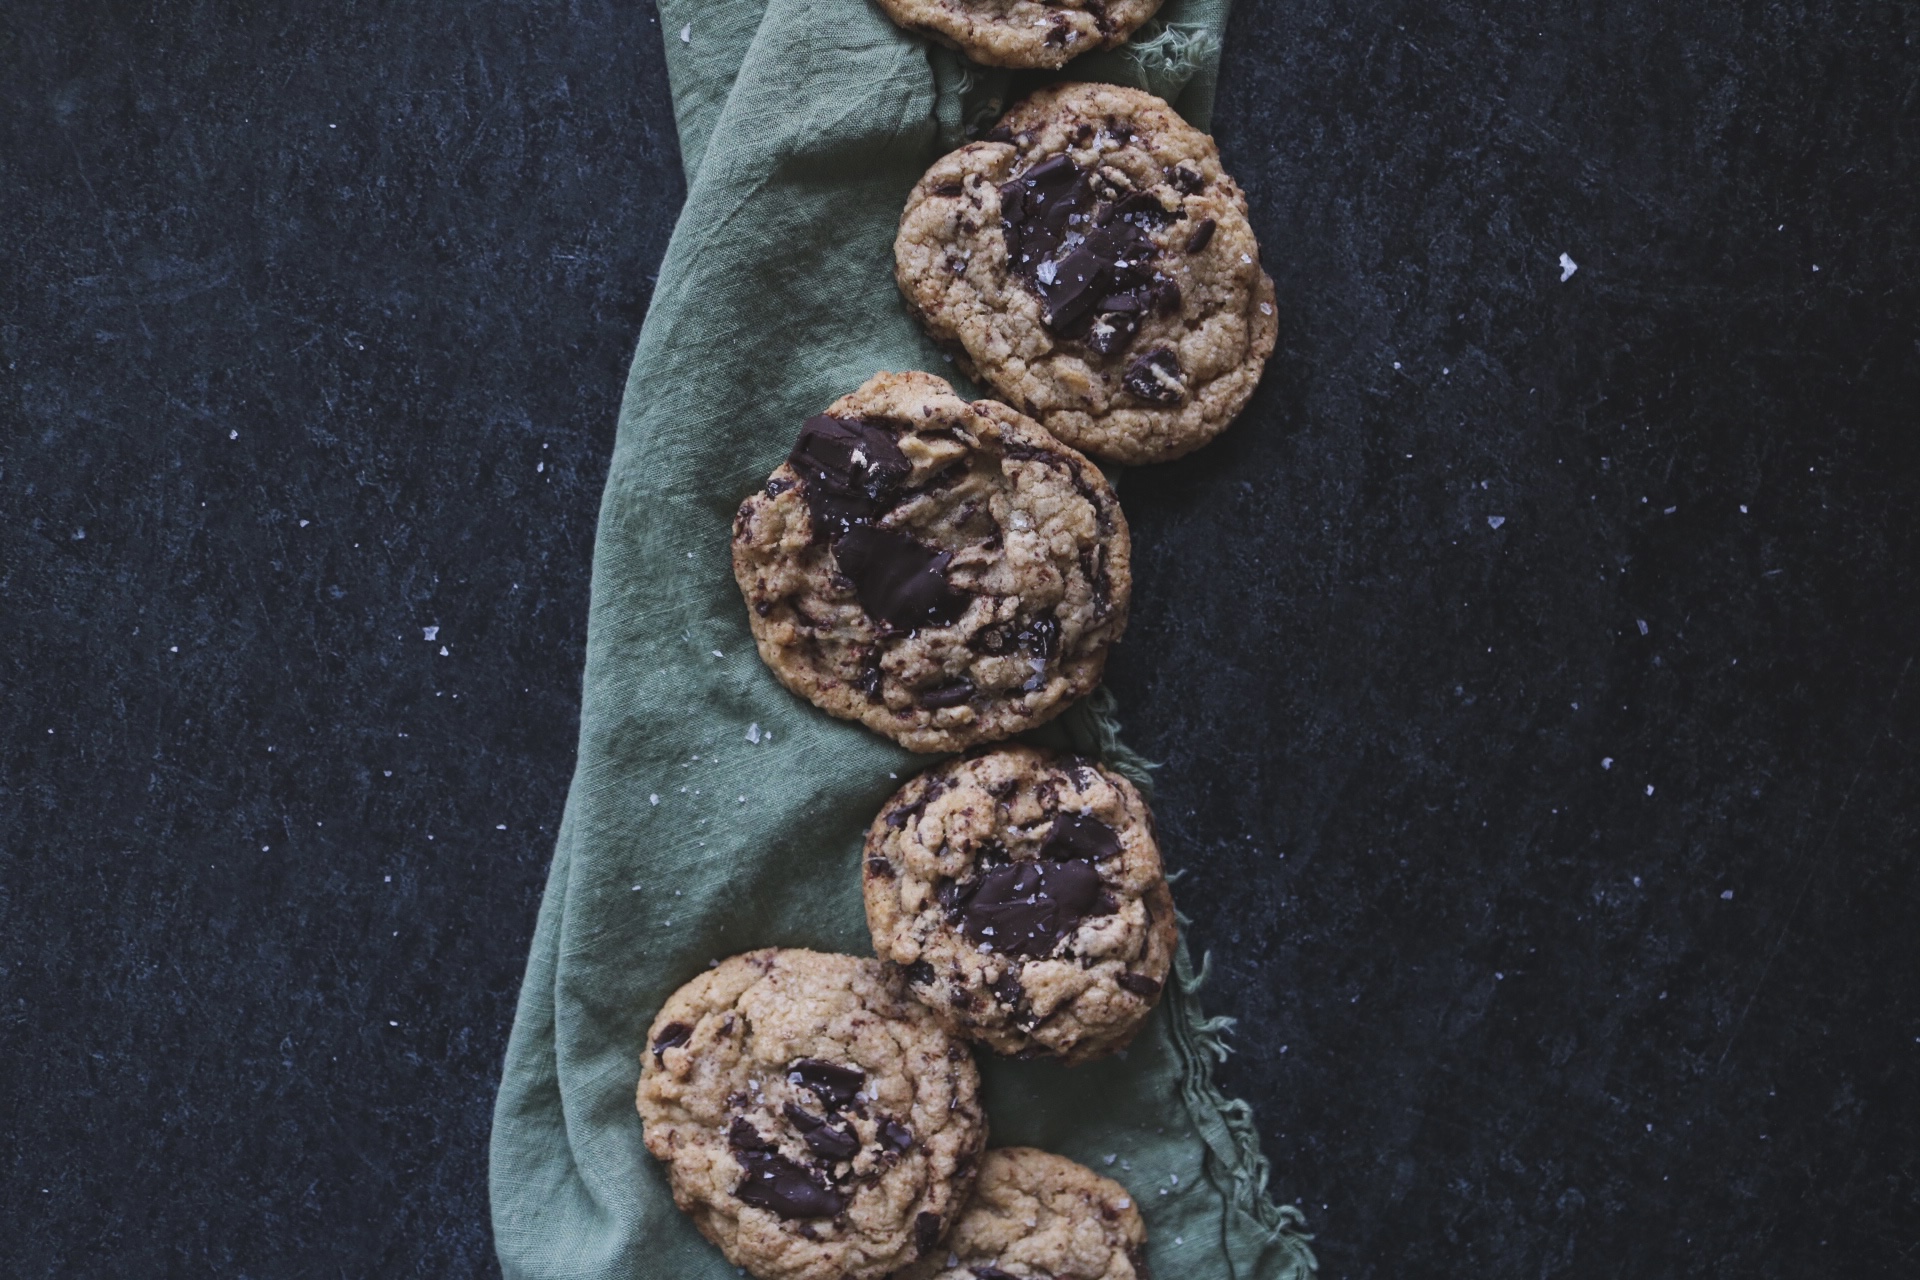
(1476, 1043)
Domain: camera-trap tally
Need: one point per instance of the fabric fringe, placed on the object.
(1171, 56)
(1241, 1170)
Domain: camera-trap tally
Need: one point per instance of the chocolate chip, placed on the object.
(983, 1272)
(1025, 908)
(778, 486)
(897, 580)
(850, 471)
(671, 1036)
(947, 695)
(1187, 180)
(896, 1135)
(742, 1136)
(1075, 835)
(926, 1231)
(832, 1083)
(1037, 638)
(1155, 377)
(1140, 984)
(868, 681)
(780, 1186)
(1201, 235)
(948, 189)
(920, 973)
(880, 868)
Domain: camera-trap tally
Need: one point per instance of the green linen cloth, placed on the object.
(711, 811)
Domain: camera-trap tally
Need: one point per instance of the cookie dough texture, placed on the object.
(1037, 1216)
(1093, 264)
(816, 1122)
(1023, 33)
(946, 573)
(1021, 894)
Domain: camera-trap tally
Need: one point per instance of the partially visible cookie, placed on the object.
(816, 1123)
(1023, 33)
(946, 573)
(1093, 263)
(1021, 892)
(1037, 1216)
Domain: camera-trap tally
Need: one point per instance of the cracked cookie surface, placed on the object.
(1023, 33)
(944, 572)
(1092, 262)
(1037, 1216)
(816, 1122)
(1022, 895)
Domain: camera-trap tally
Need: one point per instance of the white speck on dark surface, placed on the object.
(1567, 267)
(1494, 522)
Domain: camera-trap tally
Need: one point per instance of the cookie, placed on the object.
(1022, 896)
(1093, 264)
(945, 573)
(816, 1122)
(1037, 1216)
(1023, 33)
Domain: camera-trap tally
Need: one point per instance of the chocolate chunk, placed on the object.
(1025, 908)
(850, 471)
(1201, 235)
(920, 973)
(1008, 990)
(999, 133)
(800, 1118)
(1039, 638)
(896, 1135)
(947, 695)
(868, 681)
(1155, 377)
(1187, 180)
(948, 189)
(1112, 331)
(742, 1136)
(926, 1232)
(880, 867)
(981, 1271)
(1140, 984)
(1075, 835)
(897, 580)
(833, 1084)
(778, 486)
(671, 1036)
(780, 1186)
(832, 1143)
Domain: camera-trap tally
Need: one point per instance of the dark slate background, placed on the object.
(1532, 667)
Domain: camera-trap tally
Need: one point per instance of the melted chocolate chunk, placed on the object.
(780, 1186)
(920, 973)
(1201, 235)
(850, 471)
(1140, 984)
(1008, 990)
(896, 1135)
(1075, 835)
(742, 1136)
(926, 1232)
(1155, 377)
(1024, 908)
(898, 581)
(1090, 261)
(832, 1083)
(822, 1138)
(671, 1036)
(947, 695)
(880, 868)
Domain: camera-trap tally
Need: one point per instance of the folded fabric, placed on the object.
(711, 811)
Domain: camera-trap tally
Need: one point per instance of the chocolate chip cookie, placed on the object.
(1092, 263)
(946, 573)
(1022, 896)
(1023, 33)
(1037, 1216)
(816, 1122)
